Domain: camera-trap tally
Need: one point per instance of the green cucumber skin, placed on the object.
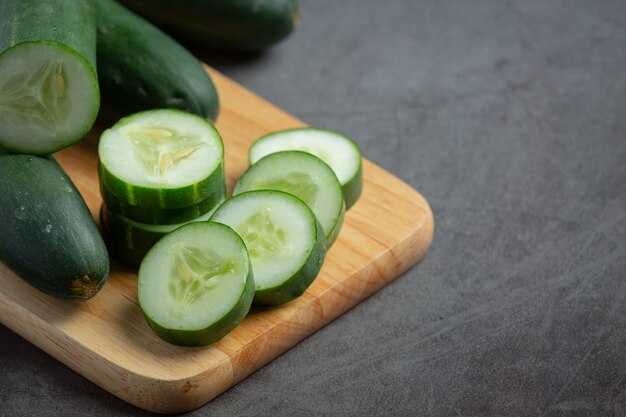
(300, 281)
(47, 234)
(140, 67)
(211, 187)
(152, 215)
(353, 189)
(217, 330)
(67, 22)
(126, 245)
(332, 238)
(223, 24)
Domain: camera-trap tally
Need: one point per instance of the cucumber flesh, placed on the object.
(341, 153)
(305, 176)
(196, 284)
(49, 97)
(162, 158)
(284, 239)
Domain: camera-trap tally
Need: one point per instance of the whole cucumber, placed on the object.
(141, 68)
(47, 234)
(224, 24)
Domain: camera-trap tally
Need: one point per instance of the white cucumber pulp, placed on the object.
(49, 97)
(284, 239)
(129, 240)
(341, 153)
(161, 158)
(305, 176)
(196, 284)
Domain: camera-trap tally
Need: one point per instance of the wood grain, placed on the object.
(107, 340)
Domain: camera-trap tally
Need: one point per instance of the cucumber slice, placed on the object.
(49, 97)
(155, 215)
(305, 176)
(341, 153)
(284, 239)
(129, 241)
(196, 284)
(162, 158)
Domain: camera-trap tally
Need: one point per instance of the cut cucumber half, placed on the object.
(305, 176)
(341, 153)
(155, 215)
(196, 284)
(129, 241)
(49, 97)
(284, 239)
(162, 158)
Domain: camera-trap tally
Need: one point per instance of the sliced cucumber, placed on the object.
(129, 241)
(284, 239)
(155, 215)
(49, 95)
(196, 284)
(341, 153)
(305, 176)
(162, 158)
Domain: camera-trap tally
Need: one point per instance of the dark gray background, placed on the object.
(510, 117)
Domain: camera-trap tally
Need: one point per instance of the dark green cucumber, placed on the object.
(49, 95)
(47, 234)
(142, 68)
(224, 24)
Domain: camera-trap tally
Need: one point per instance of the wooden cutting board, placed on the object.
(106, 338)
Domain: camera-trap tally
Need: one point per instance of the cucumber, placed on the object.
(47, 234)
(49, 95)
(305, 176)
(129, 241)
(151, 215)
(142, 68)
(223, 24)
(284, 239)
(341, 153)
(162, 159)
(196, 284)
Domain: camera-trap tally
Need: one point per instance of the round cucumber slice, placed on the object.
(341, 153)
(162, 158)
(49, 97)
(156, 215)
(196, 284)
(284, 239)
(305, 176)
(129, 241)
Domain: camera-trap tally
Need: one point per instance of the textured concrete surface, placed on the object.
(510, 117)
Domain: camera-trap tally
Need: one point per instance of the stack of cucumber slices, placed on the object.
(158, 170)
(205, 261)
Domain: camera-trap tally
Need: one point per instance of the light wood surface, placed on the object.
(106, 338)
